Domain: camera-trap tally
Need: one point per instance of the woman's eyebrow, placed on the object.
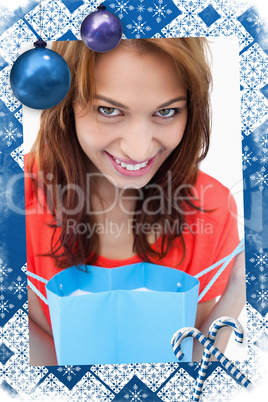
(113, 102)
(178, 99)
(122, 106)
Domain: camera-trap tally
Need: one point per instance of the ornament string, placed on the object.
(40, 19)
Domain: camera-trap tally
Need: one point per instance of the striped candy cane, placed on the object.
(213, 330)
(195, 333)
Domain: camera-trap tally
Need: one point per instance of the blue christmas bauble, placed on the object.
(101, 30)
(40, 78)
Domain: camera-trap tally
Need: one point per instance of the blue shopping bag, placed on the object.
(115, 323)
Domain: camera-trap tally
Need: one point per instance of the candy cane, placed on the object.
(213, 330)
(195, 333)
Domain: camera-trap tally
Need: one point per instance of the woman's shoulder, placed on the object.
(212, 184)
(211, 188)
(214, 196)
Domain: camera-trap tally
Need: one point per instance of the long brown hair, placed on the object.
(60, 155)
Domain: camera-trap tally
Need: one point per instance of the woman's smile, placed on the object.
(131, 168)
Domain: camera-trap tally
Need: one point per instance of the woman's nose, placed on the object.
(137, 142)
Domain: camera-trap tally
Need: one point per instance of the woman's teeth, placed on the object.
(127, 166)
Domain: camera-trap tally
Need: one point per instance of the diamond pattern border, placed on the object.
(140, 18)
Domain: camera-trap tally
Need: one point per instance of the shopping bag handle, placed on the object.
(225, 261)
(34, 288)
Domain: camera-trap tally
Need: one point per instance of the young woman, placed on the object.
(113, 178)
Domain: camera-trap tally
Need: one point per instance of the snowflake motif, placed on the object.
(11, 40)
(16, 334)
(4, 270)
(184, 25)
(141, 8)
(190, 7)
(51, 388)
(10, 134)
(218, 385)
(19, 115)
(115, 376)
(91, 389)
(260, 178)
(159, 10)
(262, 278)
(121, 7)
(56, 19)
(18, 155)
(264, 159)
(157, 35)
(256, 21)
(154, 374)
(244, 366)
(226, 24)
(254, 65)
(178, 388)
(250, 279)
(19, 288)
(261, 297)
(257, 326)
(70, 371)
(263, 142)
(255, 108)
(246, 158)
(6, 93)
(194, 365)
(135, 395)
(260, 260)
(139, 27)
(24, 268)
(5, 353)
(5, 306)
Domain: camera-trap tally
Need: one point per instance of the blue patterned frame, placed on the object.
(140, 19)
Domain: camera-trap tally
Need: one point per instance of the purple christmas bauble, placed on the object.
(101, 30)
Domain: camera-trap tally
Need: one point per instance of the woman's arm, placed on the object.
(36, 313)
(42, 350)
(230, 304)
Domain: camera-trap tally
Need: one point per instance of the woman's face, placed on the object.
(138, 119)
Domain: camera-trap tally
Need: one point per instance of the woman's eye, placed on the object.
(109, 111)
(165, 112)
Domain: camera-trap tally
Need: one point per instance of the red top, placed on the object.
(214, 236)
